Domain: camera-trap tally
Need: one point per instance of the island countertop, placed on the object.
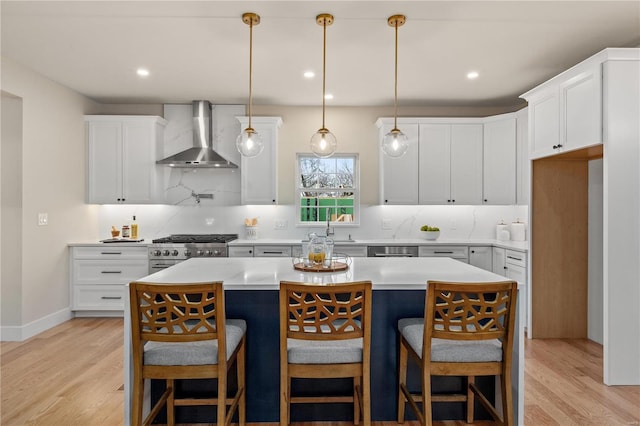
(391, 273)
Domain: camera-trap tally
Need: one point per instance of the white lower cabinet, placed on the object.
(481, 256)
(513, 265)
(460, 253)
(272, 251)
(99, 275)
(242, 251)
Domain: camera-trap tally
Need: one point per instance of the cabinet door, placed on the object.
(104, 168)
(259, 175)
(466, 164)
(499, 162)
(499, 261)
(482, 257)
(544, 124)
(399, 176)
(138, 162)
(581, 103)
(523, 164)
(241, 251)
(435, 164)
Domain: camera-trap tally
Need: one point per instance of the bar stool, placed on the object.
(325, 333)
(179, 331)
(467, 330)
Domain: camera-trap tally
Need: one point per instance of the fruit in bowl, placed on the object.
(430, 232)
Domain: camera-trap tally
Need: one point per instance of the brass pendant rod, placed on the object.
(395, 113)
(324, 59)
(250, 69)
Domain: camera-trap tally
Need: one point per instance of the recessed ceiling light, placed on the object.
(472, 75)
(142, 72)
(328, 96)
(309, 74)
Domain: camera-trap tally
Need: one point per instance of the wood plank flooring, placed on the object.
(72, 375)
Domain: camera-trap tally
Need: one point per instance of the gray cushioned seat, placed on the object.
(324, 351)
(194, 353)
(445, 350)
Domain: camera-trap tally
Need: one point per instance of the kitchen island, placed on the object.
(251, 286)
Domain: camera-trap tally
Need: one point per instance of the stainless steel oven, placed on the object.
(171, 250)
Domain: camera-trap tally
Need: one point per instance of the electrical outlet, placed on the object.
(386, 224)
(281, 224)
(452, 224)
(43, 219)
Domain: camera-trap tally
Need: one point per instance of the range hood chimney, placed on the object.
(202, 153)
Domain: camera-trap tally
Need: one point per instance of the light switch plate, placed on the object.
(386, 224)
(43, 219)
(281, 224)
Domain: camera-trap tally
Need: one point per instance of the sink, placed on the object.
(336, 241)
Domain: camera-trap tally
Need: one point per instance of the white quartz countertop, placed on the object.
(522, 246)
(266, 273)
(144, 243)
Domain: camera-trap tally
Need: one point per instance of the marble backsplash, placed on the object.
(208, 217)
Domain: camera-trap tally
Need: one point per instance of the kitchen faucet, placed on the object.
(330, 232)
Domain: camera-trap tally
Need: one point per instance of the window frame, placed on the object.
(356, 191)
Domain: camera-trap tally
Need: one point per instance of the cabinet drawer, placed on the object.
(241, 251)
(99, 297)
(350, 250)
(109, 252)
(516, 258)
(87, 272)
(457, 252)
(272, 251)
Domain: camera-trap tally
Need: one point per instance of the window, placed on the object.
(328, 188)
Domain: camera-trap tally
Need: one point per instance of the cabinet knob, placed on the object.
(453, 201)
(504, 267)
(386, 201)
(485, 200)
(448, 201)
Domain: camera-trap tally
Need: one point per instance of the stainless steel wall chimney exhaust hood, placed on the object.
(202, 153)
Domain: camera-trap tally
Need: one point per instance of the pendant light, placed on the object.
(395, 143)
(249, 142)
(323, 142)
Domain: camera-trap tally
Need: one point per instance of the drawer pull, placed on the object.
(272, 252)
(514, 258)
(111, 297)
(111, 252)
(443, 252)
(111, 272)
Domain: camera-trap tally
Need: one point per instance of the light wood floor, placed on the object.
(72, 375)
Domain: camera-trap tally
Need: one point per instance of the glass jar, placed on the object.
(317, 251)
(125, 231)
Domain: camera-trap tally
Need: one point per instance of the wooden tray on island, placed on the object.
(335, 267)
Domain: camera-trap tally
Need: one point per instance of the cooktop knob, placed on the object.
(166, 253)
(199, 253)
(216, 252)
(207, 253)
(175, 252)
(187, 253)
(157, 252)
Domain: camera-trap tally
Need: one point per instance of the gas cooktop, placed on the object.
(196, 238)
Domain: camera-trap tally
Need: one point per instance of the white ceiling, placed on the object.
(200, 49)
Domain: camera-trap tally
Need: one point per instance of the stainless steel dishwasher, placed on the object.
(392, 251)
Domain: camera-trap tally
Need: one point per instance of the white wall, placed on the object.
(53, 182)
(11, 207)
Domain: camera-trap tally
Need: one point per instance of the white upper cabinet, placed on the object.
(122, 153)
(450, 163)
(399, 176)
(523, 164)
(466, 164)
(565, 113)
(259, 174)
(499, 161)
(435, 164)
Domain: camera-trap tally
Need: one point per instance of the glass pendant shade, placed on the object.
(395, 143)
(249, 143)
(323, 143)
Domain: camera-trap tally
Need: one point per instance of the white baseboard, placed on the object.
(14, 333)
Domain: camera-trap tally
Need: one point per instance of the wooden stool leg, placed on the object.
(402, 380)
(222, 397)
(366, 397)
(171, 412)
(357, 387)
(240, 366)
(470, 399)
(138, 395)
(284, 396)
(507, 398)
(427, 413)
